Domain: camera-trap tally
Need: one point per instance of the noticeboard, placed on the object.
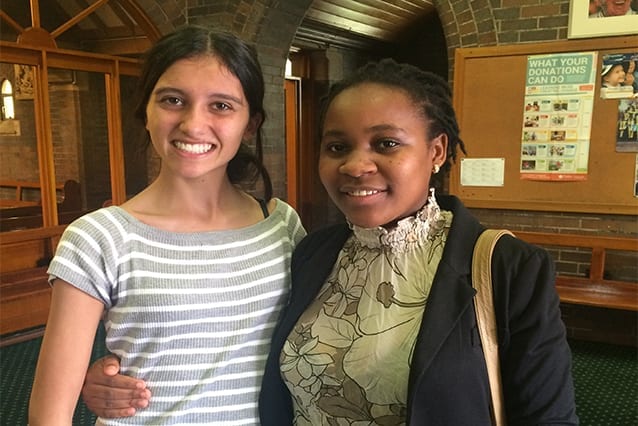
(489, 97)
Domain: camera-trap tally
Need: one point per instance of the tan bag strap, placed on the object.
(485, 316)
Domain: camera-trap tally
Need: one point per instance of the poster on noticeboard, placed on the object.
(557, 116)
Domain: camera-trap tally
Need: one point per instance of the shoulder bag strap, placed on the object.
(485, 316)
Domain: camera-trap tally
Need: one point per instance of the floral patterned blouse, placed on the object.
(347, 360)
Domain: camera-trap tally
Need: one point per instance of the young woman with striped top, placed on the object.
(189, 275)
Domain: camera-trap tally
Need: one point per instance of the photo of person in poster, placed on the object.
(613, 75)
(627, 126)
(618, 76)
(631, 75)
(606, 8)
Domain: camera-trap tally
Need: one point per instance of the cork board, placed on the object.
(489, 89)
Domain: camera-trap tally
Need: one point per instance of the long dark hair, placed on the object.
(241, 60)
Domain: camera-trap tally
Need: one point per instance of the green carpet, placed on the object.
(17, 367)
(606, 382)
(605, 376)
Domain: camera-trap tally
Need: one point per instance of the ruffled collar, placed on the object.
(410, 232)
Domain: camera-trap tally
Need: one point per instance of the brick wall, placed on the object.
(66, 130)
(465, 23)
(620, 265)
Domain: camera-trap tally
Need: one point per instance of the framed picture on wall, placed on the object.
(601, 18)
(23, 87)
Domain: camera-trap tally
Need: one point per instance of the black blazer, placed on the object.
(448, 382)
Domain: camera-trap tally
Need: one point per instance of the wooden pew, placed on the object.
(24, 291)
(594, 289)
(24, 300)
(18, 188)
(30, 216)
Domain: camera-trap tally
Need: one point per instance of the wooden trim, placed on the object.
(116, 148)
(23, 336)
(142, 19)
(13, 237)
(25, 298)
(9, 20)
(606, 294)
(63, 58)
(77, 18)
(20, 186)
(593, 290)
(603, 43)
(44, 136)
(292, 103)
(576, 240)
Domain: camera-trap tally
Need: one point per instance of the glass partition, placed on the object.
(20, 194)
(71, 144)
(79, 130)
(138, 155)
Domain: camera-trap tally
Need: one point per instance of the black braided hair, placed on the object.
(427, 90)
(241, 60)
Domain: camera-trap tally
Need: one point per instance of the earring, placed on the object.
(436, 169)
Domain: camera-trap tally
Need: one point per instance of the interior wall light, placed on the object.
(8, 109)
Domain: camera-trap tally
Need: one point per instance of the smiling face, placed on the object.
(197, 116)
(617, 7)
(376, 157)
(615, 76)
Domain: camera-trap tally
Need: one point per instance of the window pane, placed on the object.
(20, 194)
(138, 154)
(80, 141)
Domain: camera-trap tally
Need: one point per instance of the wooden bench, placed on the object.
(18, 188)
(24, 300)
(594, 289)
(30, 216)
(25, 294)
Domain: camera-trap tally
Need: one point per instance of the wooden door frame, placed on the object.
(292, 94)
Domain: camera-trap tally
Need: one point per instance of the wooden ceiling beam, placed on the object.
(379, 19)
(349, 25)
(127, 46)
(123, 16)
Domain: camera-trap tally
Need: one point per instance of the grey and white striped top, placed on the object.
(190, 313)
